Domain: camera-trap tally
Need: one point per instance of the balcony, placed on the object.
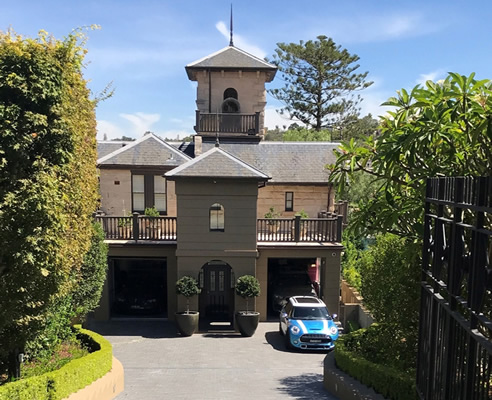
(227, 123)
(285, 230)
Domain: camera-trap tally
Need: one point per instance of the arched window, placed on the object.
(230, 93)
(230, 103)
(217, 217)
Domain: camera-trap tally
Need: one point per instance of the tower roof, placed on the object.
(230, 58)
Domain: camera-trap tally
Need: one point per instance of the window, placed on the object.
(230, 92)
(149, 191)
(217, 217)
(289, 201)
(138, 192)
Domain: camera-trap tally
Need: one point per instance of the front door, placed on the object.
(216, 299)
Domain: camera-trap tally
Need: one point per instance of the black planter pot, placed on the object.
(187, 323)
(247, 322)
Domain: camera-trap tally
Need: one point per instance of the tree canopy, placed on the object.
(320, 80)
(48, 180)
(441, 129)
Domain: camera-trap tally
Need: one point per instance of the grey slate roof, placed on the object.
(217, 163)
(230, 57)
(149, 150)
(286, 162)
(106, 147)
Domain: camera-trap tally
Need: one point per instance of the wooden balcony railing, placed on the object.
(229, 123)
(300, 230)
(137, 227)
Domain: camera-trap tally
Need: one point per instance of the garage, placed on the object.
(290, 277)
(138, 287)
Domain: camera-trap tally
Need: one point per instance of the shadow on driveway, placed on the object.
(304, 387)
(143, 328)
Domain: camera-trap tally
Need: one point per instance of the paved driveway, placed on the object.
(161, 365)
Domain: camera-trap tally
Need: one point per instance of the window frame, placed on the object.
(148, 191)
(214, 216)
(291, 201)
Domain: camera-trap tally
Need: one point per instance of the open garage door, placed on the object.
(290, 277)
(139, 287)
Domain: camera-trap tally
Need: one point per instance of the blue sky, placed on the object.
(143, 46)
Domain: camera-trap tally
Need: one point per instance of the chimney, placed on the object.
(198, 145)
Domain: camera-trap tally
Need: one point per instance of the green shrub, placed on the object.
(72, 377)
(51, 330)
(247, 286)
(383, 344)
(390, 382)
(187, 286)
(151, 212)
(352, 326)
(92, 274)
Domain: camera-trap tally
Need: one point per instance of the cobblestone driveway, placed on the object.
(161, 365)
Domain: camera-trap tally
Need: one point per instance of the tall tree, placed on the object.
(442, 129)
(48, 180)
(320, 80)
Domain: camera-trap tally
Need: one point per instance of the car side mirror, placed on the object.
(334, 316)
(283, 315)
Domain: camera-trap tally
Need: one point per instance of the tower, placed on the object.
(231, 94)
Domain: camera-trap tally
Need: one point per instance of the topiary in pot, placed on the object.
(248, 287)
(187, 321)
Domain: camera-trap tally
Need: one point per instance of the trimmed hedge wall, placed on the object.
(387, 381)
(70, 378)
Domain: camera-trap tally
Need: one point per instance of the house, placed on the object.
(211, 196)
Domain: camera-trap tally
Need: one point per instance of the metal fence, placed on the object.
(455, 347)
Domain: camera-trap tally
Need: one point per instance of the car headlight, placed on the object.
(295, 330)
(333, 330)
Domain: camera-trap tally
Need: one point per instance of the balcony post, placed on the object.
(257, 123)
(136, 232)
(297, 228)
(197, 121)
(339, 228)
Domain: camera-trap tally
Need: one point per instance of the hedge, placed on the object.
(391, 383)
(72, 377)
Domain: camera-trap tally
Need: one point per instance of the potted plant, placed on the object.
(187, 321)
(125, 226)
(152, 225)
(248, 287)
(272, 215)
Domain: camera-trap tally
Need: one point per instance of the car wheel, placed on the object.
(280, 329)
(288, 344)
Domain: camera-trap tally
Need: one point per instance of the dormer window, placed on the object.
(217, 217)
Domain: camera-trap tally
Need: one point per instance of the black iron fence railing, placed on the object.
(455, 336)
(137, 227)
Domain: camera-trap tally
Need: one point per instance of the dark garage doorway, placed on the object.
(290, 277)
(139, 287)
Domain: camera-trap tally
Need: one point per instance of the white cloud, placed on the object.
(381, 27)
(431, 76)
(108, 129)
(141, 122)
(240, 42)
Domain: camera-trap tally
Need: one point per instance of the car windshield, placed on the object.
(310, 313)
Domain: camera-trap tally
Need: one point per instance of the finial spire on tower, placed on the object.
(231, 42)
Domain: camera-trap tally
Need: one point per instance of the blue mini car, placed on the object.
(306, 324)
